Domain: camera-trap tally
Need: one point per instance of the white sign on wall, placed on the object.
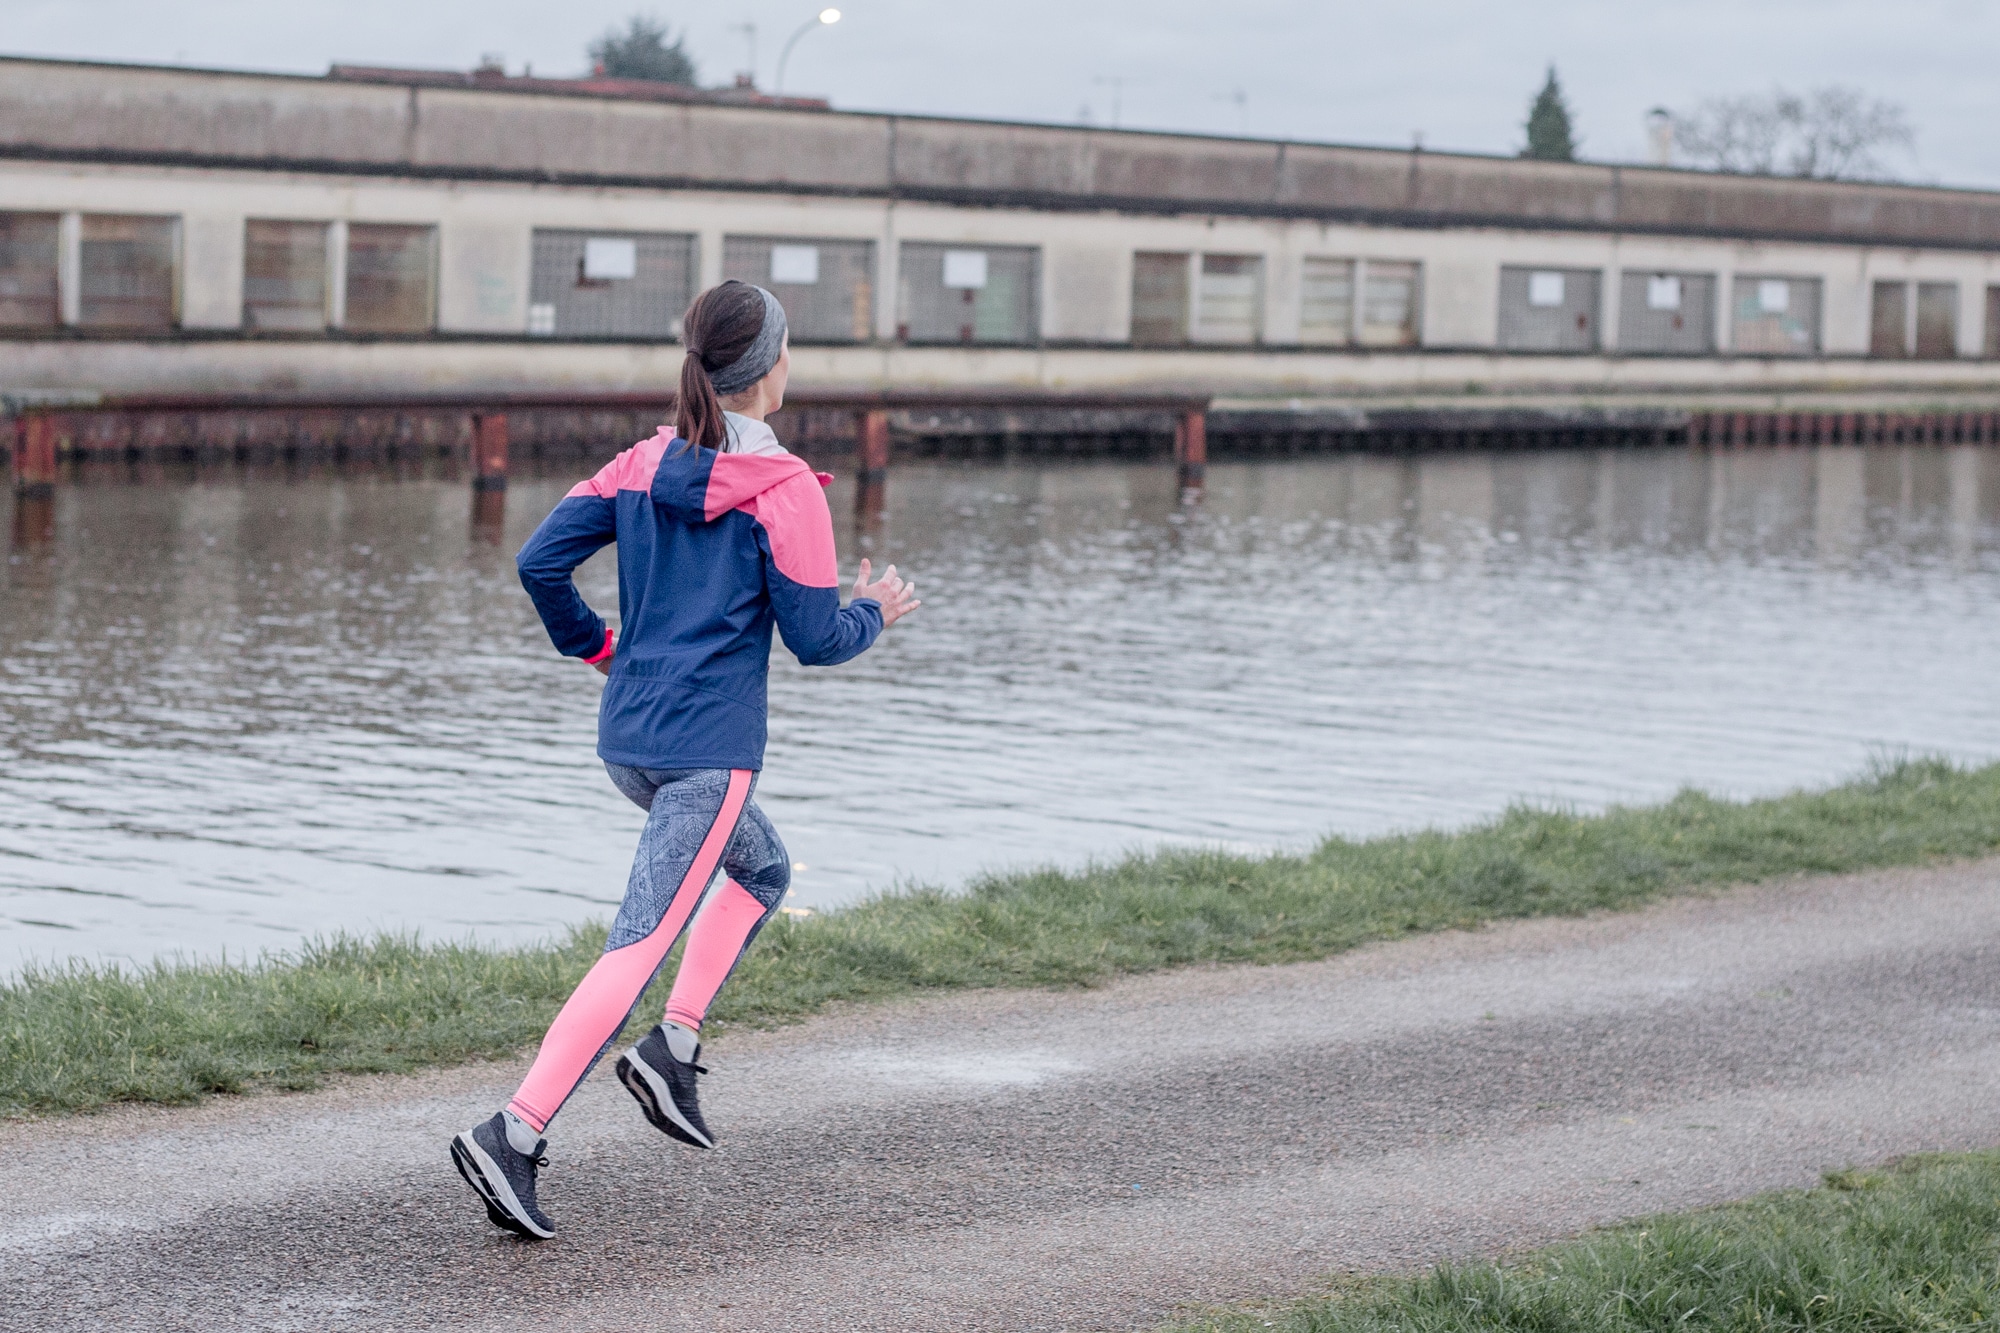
(1545, 289)
(1774, 297)
(1663, 293)
(606, 258)
(796, 264)
(965, 268)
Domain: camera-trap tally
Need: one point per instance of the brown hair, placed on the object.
(717, 329)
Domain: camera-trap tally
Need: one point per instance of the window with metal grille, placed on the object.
(1159, 299)
(1775, 316)
(1326, 302)
(126, 272)
(284, 275)
(391, 278)
(1389, 302)
(1549, 309)
(610, 284)
(1230, 299)
(827, 287)
(1937, 321)
(968, 294)
(28, 249)
(1888, 320)
(1666, 313)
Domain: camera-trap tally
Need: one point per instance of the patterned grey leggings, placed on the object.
(682, 806)
(699, 822)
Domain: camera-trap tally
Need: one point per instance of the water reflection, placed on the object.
(242, 707)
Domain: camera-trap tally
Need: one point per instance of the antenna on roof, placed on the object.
(1117, 85)
(749, 31)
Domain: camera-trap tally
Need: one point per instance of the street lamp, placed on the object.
(824, 18)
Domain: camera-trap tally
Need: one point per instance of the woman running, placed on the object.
(721, 533)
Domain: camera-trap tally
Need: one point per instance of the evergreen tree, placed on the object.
(1550, 134)
(642, 51)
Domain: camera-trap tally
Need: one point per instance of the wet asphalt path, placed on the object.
(1074, 1161)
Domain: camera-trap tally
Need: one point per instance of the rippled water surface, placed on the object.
(240, 708)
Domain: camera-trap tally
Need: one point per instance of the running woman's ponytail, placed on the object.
(734, 334)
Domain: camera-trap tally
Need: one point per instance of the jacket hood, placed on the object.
(700, 485)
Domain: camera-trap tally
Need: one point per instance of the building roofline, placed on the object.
(621, 90)
(593, 133)
(596, 85)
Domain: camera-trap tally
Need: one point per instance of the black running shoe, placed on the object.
(664, 1088)
(503, 1179)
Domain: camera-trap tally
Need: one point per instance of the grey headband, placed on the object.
(759, 357)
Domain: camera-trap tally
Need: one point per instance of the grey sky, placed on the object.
(1459, 71)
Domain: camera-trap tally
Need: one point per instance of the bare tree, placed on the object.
(1833, 133)
(1840, 134)
(1731, 134)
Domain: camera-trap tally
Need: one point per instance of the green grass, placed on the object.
(1913, 1247)
(76, 1037)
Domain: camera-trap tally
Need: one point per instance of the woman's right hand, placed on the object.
(897, 598)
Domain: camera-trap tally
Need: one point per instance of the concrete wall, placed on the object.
(485, 231)
(289, 148)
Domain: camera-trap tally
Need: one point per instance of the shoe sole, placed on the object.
(481, 1172)
(650, 1090)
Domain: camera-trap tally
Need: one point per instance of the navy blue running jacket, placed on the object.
(713, 550)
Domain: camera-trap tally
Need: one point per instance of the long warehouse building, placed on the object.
(376, 233)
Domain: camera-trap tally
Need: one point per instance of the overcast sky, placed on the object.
(1458, 71)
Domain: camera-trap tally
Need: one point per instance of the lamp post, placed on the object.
(824, 18)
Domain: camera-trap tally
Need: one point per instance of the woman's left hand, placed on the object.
(897, 598)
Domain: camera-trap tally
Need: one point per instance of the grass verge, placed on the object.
(76, 1037)
(1912, 1247)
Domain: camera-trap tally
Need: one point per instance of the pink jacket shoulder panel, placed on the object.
(789, 500)
(800, 528)
(631, 471)
(734, 478)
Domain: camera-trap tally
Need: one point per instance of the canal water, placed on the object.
(237, 709)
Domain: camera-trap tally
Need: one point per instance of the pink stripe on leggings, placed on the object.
(598, 1006)
(714, 945)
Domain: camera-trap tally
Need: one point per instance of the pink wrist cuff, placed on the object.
(610, 647)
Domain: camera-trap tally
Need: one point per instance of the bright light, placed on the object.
(829, 16)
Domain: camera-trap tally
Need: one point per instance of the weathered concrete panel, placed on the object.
(1011, 159)
(508, 133)
(51, 105)
(212, 243)
(482, 277)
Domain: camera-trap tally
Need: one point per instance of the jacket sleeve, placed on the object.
(817, 628)
(575, 530)
(802, 578)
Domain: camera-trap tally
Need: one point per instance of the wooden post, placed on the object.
(35, 456)
(871, 430)
(1191, 448)
(489, 451)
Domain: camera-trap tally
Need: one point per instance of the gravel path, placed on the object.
(1029, 1161)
